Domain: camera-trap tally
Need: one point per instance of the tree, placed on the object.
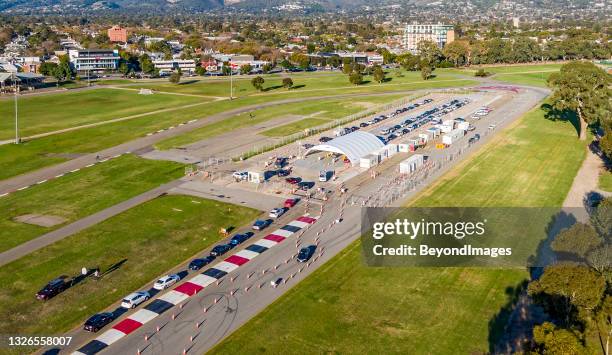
(287, 83)
(457, 52)
(601, 219)
(257, 83)
(552, 340)
(408, 61)
(146, 64)
(355, 78)
(334, 61)
(429, 52)
(245, 69)
(200, 70)
(379, 74)
(175, 77)
(425, 71)
(583, 88)
(47, 68)
(63, 71)
(568, 292)
(266, 68)
(124, 68)
(577, 240)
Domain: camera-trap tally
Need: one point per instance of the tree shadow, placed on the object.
(187, 82)
(297, 86)
(272, 88)
(551, 113)
(386, 80)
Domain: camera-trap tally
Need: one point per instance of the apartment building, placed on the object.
(439, 34)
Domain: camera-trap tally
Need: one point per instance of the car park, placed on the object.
(53, 288)
(166, 281)
(290, 202)
(306, 253)
(98, 321)
(276, 212)
(134, 299)
(261, 224)
(240, 238)
(219, 250)
(197, 264)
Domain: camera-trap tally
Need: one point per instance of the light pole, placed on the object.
(231, 82)
(16, 111)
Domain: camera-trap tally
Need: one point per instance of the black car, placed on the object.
(477, 136)
(283, 172)
(240, 238)
(53, 288)
(220, 250)
(306, 253)
(98, 321)
(363, 124)
(197, 264)
(325, 139)
(305, 185)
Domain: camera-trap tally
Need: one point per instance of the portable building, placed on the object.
(256, 176)
(463, 125)
(369, 161)
(433, 131)
(411, 164)
(403, 147)
(424, 137)
(453, 136)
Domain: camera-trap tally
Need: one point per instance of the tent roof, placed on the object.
(354, 145)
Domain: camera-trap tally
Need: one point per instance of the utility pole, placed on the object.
(231, 82)
(16, 112)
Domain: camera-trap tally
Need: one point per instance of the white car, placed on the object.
(134, 299)
(166, 281)
(240, 175)
(277, 212)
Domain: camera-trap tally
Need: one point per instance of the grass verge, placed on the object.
(81, 194)
(150, 239)
(605, 180)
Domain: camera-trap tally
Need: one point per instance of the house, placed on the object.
(210, 65)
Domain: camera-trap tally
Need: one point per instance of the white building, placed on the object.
(168, 66)
(94, 59)
(439, 34)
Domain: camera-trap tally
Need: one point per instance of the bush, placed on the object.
(482, 73)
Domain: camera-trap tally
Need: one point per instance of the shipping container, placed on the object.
(411, 164)
(453, 136)
(369, 161)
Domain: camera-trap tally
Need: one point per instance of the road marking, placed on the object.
(59, 176)
(4, 194)
(191, 121)
(115, 156)
(41, 182)
(75, 170)
(103, 160)
(149, 134)
(22, 188)
(89, 166)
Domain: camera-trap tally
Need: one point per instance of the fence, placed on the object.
(336, 123)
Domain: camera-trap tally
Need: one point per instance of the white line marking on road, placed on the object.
(103, 160)
(115, 156)
(89, 166)
(4, 194)
(149, 134)
(191, 121)
(41, 182)
(75, 170)
(59, 176)
(22, 188)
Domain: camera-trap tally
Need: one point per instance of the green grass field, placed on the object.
(534, 75)
(324, 110)
(80, 194)
(295, 127)
(347, 307)
(51, 112)
(605, 180)
(150, 239)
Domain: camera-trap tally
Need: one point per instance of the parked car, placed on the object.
(240, 175)
(363, 124)
(98, 321)
(240, 238)
(53, 288)
(293, 180)
(197, 264)
(220, 250)
(325, 139)
(166, 281)
(276, 212)
(283, 172)
(290, 202)
(306, 253)
(305, 185)
(261, 224)
(134, 299)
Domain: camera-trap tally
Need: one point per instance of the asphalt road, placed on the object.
(246, 296)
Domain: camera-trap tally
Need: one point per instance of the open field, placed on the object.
(50, 112)
(324, 111)
(77, 195)
(532, 79)
(146, 241)
(50, 150)
(298, 126)
(307, 85)
(605, 180)
(534, 75)
(345, 306)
